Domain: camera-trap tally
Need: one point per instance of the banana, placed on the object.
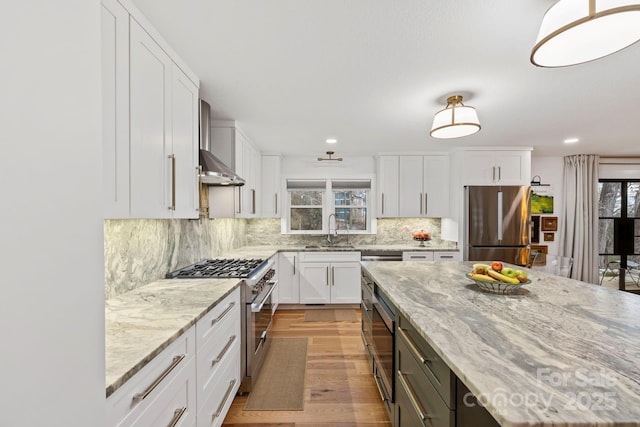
(487, 266)
(502, 277)
(482, 277)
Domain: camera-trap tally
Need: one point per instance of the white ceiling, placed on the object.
(373, 73)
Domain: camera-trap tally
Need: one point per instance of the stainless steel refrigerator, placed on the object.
(497, 220)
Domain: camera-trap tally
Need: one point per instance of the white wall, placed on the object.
(310, 167)
(550, 171)
(51, 245)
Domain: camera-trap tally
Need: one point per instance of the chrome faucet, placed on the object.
(329, 227)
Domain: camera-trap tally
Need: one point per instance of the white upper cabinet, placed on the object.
(115, 108)
(423, 186)
(388, 186)
(234, 149)
(503, 167)
(150, 71)
(184, 137)
(271, 184)
(150, 121)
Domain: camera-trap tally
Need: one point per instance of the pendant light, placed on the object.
(455, 120)
(577, 31)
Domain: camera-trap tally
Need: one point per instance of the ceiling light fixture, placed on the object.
(332, 140)
(455, 120)
(571, 140)
(330, 153)
(577, 31)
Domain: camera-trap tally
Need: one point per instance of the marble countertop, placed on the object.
(141, 323)
(560, 353)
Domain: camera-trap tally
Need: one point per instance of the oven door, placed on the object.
(383, 328)
(258, 322)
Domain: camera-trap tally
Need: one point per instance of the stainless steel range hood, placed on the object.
(214, 171)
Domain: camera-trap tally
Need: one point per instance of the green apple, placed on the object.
(509, 272)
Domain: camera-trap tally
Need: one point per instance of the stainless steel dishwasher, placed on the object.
(381, 255)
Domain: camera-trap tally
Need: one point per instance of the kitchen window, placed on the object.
(311, 203)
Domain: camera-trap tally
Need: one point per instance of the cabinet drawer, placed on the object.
(223, 343)
(329, 256)
(223, 310)
(417, 401)
(447, 256)
(225, 385)
(136, 395)
(433, 367)
(417, 256)
(175, 403)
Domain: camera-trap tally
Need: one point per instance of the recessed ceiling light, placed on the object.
(571, 140)
(331, 140)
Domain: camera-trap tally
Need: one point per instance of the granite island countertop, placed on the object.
(560, 353)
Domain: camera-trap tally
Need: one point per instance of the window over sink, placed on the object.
(311, 203)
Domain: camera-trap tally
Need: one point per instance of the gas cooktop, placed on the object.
(217, 268)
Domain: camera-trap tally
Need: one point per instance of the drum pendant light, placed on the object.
(577, 31)
(456, 120)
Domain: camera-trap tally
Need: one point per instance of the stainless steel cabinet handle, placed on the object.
(499, 173)
(412, 398)
(177, 414)
(196, 195)
(417, 257)
(333, 276)
(276, 205)
(175, 362)
(226, 348)
(420, 203)
(382, 203)
(426, 203)
(294, 265)
(224, 400)
(172, 161)
(327, 271)
(224, 313)
(253, 201)
(412, 346)
(494, 174)
(239, 200)
(446, 256)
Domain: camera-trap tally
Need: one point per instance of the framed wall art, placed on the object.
(542, 200)
(539, 254)
(549, 223)
(535, 229)
(549, 237)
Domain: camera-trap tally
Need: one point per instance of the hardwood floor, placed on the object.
(339, 387)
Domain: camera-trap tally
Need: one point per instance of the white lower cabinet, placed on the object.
(330, 277)
(288, 278)
(191, 382)
(218, 360)
(161, 393)
(431, 256)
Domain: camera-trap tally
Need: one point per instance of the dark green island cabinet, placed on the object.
(423, 390)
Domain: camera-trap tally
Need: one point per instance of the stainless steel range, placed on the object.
(256, 289)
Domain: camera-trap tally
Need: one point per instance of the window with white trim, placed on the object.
(311, 203)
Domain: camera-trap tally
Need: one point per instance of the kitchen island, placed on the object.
(558, 353)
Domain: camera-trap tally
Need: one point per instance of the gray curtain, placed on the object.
(579, 235)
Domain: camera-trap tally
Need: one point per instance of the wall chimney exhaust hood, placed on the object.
(213, 170)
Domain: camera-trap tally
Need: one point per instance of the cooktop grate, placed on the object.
(217, 268)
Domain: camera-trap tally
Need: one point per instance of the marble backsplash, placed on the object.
(390, 231)
(140, 251)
